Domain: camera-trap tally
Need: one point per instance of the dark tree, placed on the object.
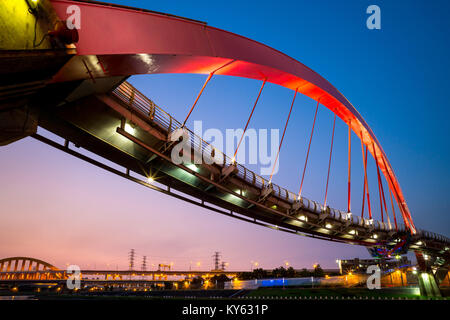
(280, 272)
(197, 282)
(318, 272)
(291, 273)
(218, 281)
(305, 273)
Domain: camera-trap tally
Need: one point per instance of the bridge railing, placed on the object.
(139, 102)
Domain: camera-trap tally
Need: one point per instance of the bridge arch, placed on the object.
(122, 41)
(25, 264)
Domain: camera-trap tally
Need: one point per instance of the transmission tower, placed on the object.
(216, 260)
(131, 257)
(224, 264)
(144, 263)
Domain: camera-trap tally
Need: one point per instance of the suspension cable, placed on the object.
(393, 209)
(307, 153)
(364, 192)
(248, 121)
(282, 137)
(379, 182)
(349, 166)
(384, 201)
(365, 178)
(381, 189)
(390, 194)
(329, 162)
(198, 97)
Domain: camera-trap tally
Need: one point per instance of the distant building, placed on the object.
(360, 265)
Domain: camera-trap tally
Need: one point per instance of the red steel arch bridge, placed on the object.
(73, 84)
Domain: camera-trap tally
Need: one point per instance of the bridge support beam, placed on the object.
(427, 281)
(442, 276)
(428, 285)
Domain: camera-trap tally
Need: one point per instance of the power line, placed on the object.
(131, 259)
(144, 263)
(216, 259)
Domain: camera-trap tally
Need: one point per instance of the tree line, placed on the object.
(282, 272)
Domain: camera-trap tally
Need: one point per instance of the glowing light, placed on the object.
(128, 128)
(352, 232)
(419, 243)
(150, 180)
(192, 166)
(374, 236)
(425, 257)
(303, 218)
(328, 226)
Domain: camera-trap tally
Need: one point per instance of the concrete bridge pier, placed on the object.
(429, 280)
(428, 285)
(29, 58)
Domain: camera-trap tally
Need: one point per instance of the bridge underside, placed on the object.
(94, 123)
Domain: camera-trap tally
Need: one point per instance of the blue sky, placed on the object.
(396, 77)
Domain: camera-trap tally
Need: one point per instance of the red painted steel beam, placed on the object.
(329, 162)
(349, 189)
(122, 41)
